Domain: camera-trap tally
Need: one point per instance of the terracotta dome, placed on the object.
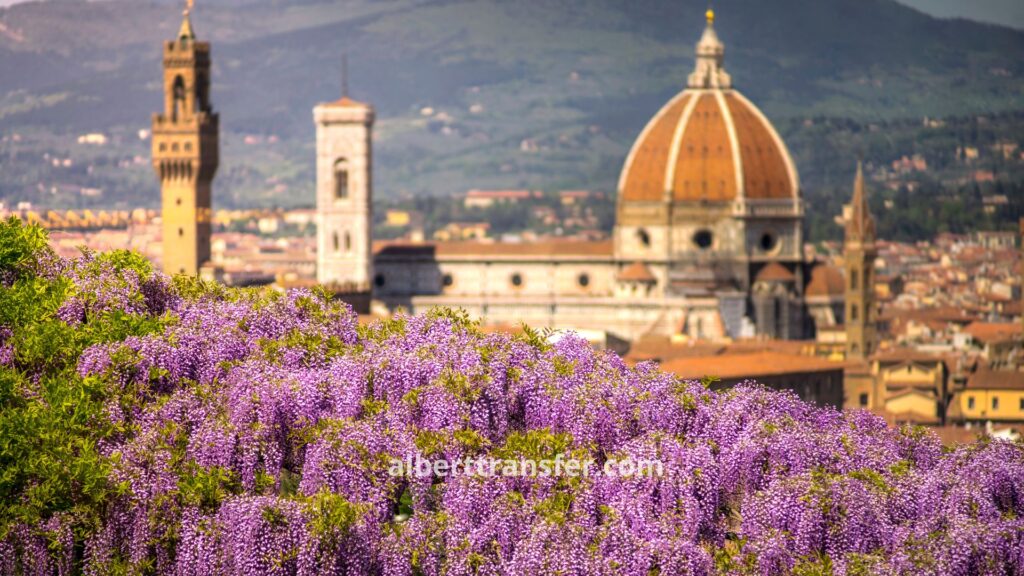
(709, 143)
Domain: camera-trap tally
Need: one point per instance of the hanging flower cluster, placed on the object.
(246, 432)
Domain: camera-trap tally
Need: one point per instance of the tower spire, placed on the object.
(186, 32)
(708, 72)
(861, 226)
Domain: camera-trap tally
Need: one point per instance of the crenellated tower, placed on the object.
(860, 251)
(186, 151)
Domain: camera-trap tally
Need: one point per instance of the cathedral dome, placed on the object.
(709, 143)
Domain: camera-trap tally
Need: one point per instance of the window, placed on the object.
(447, 280)
(853, 312)
(703, 239)
(768, 242)
(864, 400)
(644, 237)
(348, 242)
(341, 179)
(181, 232)
(379, 280)
(995, 402)
(970, 402)
(178, 95)
(517, 279)
(583, 280)
(1020, 406)
(335, 243)
(853, 279)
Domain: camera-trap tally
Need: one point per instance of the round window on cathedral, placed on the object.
(447, 280)
(583, 280)
(379, 281)
(644, 237)
(517, 279)
(768, 242)
(703, 239)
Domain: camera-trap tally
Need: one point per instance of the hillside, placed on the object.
(558, 90)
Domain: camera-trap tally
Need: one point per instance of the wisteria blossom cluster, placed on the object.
(246, 432)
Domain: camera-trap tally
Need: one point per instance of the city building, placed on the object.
(344, 193)
(186, 152)
(708, 240)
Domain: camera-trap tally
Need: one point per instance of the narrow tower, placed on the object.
(860, 251)
(185, 151)
(344, 192)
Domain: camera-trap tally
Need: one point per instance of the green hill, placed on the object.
(572, 83)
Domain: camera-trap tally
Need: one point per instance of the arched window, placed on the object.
(644, 237)
(854, 277)
(334, 240)
(178, 93)
(348, 242)
(341, 179)
(853, 312)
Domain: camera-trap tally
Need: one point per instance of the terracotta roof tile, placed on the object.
(826, 281)
(995, 380)
(753, 365)
(705, 164)
(637, 272)
(774, 272)
(989, 332)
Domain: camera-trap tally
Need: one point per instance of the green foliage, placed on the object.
(332, 516)
(206, 488)
(51, 418)
(535, 445)
(816, 565)
(21, 246)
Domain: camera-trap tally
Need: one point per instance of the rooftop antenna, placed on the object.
(344, 74)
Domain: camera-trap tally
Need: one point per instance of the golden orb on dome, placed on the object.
(710, 15)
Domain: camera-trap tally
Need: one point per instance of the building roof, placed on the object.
(750, 365)
(708, 143)
(502, 194)
(346, 102)
(826, 281)
(515, 250)
(774, 272)
(995, 380)
(991, 332)
(637, 272)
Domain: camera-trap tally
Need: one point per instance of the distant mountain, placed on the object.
(1003, 12)
(543, 93)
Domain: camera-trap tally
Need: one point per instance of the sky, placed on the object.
(1005, 12)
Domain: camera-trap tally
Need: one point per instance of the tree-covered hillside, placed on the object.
(474, 93)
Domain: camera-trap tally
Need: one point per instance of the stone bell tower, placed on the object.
(344, 193)
(860, 252)
(186, 151)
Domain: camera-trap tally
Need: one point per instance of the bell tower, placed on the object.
(860, 251)
(344, 192)
(186, 151)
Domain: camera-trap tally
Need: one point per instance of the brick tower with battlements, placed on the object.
(186, 151)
